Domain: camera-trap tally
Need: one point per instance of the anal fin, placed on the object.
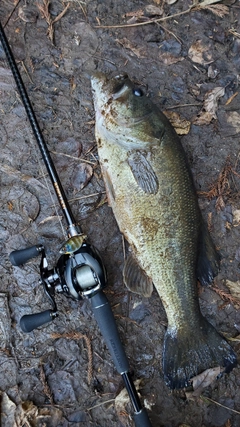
(136, 279)
(208, 258)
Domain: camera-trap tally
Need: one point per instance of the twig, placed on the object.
(183, 105)
(73, 157)
(170, 32)
(44, 10)
(219, 404)
(151, 21)
(87, 196)
(196, 5)
(100, 404)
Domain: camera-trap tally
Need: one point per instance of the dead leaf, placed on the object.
(236, 217)
(218, 9)
(135, 13)
(204, 3)
(5, 322)
(169, 59)
(212, 72)
(29, 205)
(234, 288)
(209, 107)
(139, 52)
(234, 119)
(170, 1)
(81, 176)
(203, 380)
(122, 398)
(180, 124)
(200, 53)
(152, 10)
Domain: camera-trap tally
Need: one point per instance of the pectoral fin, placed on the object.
(135, 278)
(208, 258)
(143, 172)
(109, 187)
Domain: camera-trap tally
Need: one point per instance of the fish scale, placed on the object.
(150, 189)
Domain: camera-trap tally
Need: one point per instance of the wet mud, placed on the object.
(47, 377)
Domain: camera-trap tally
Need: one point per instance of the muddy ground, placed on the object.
(46, 378)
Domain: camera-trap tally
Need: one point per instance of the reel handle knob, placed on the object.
(23, 255)
(32, 321)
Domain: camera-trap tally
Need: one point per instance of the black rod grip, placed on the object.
(141, 419)
(33, 321)
(107, 324)
(23, 255)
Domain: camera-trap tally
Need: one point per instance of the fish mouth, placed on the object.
(109, 86)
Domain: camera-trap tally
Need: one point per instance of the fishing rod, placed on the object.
(79, 271)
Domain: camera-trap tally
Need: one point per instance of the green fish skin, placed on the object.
(150, 189)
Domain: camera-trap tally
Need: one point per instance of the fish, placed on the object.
(72, 244)
(150, 189)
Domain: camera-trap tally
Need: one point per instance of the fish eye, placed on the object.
(137, 92)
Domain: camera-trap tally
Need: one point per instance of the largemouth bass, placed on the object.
(151, 192)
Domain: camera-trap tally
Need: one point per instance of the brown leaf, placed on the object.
(5, 322)
(199, 53)
(152, 10)
(135, 13)
(236, 217)
(210, 106)
(139, 52)
(29, 205)
(122, 398)
(218, 9)
(234, 288)
(203, 380)
(180, 124)
(234, 119)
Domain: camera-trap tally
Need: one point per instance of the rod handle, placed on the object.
(32, 321)
(141, 419)
(107, 324)
(23, 255)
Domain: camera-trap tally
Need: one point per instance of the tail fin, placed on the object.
(187, 355)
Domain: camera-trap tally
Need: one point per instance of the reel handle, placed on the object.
(23, 255)
(32, 321)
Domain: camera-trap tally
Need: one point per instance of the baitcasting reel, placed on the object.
(80, 274)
